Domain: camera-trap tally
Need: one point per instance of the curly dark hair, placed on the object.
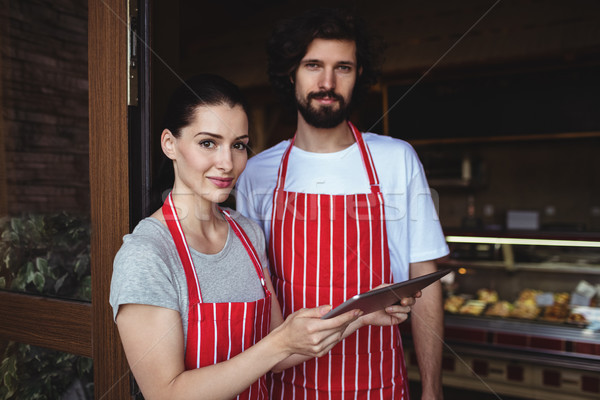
(291, 37)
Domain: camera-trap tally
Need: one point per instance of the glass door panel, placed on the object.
(44, 135)
(31, 372)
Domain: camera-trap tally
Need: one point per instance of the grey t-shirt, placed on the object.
(148, 270)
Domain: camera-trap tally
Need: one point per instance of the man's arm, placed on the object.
(428, 332)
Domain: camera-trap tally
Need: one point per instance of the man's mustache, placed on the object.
(326, 94)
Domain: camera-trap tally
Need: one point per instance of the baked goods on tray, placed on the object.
(453, 303)
(488, 296)
(473, 307)
(501, 308)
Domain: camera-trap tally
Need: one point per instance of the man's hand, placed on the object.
(392, 315)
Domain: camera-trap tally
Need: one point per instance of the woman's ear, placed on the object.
(167, 143)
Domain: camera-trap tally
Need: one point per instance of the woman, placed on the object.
(191, 291)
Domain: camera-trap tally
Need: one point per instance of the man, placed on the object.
(343, 212)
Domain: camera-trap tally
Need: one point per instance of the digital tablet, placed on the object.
(378, 299)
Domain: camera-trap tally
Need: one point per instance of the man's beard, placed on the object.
(324, 117)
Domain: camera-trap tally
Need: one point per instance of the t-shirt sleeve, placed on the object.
(426, 239)
(141, 276)
(244, 198)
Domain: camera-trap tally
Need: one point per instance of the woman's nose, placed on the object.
(224, 159)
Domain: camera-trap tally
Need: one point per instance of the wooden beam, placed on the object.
(109, 184)
(507, 138)
(62, 325)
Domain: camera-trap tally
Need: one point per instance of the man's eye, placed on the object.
(345, 68)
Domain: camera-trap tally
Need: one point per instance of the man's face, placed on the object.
(324, 82)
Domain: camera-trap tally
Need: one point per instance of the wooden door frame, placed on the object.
(109, 184)
(78, 327)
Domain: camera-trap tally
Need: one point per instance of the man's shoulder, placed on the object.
(266, 160)
(272, 152)
(387, 144)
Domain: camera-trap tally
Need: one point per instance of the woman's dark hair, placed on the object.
(199, 91)
(291, 37)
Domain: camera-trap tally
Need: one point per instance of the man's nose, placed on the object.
(327, 81)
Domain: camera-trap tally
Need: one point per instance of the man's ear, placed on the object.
(167, 143)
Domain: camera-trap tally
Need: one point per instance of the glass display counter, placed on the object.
(522, 315)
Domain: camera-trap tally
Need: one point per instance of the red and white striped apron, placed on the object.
(219, 331)
(324, 249)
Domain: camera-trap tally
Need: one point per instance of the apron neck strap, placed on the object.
(241, 234)
(183, 249)
(172, 220)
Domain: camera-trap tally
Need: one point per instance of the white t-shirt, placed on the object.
(413, 228)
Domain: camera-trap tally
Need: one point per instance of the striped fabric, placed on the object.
(219, 331)
(325, 249)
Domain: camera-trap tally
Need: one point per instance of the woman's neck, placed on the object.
(204, 226)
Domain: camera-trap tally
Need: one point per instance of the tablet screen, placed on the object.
(380, 298)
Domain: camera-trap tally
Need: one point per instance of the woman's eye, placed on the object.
(209, 144)
(240, 146)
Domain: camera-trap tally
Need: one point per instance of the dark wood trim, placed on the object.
(46, 322)
(507, 138)
(584, 59)
(140, 127)
(3, 179)
(109, 184)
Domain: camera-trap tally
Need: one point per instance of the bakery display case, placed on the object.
(538, 280)
(522, 315)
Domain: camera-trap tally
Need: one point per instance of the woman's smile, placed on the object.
(221, 182)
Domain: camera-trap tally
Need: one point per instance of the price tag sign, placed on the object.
(579, 300)
(544, 299)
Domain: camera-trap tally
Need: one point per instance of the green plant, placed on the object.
(46, 254)
(35, 373)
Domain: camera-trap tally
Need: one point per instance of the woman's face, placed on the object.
(210, 153)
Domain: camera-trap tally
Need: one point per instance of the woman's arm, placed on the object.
(153, 341)
(154, 345)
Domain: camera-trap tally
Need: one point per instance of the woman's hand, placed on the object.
(305, 333)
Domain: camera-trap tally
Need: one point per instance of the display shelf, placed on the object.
(585, 260)
(561, 338)
(529, 239)
(549, 238)
(568, 268)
